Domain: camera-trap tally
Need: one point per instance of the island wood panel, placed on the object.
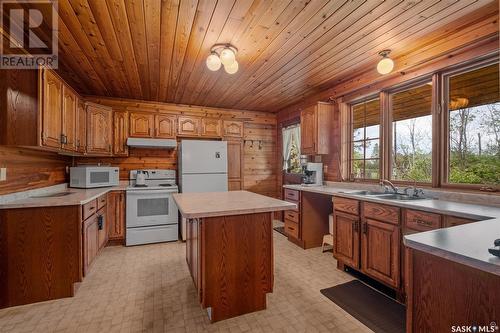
(29, 169)
(40, 254)
(442, 294)
(236, 271)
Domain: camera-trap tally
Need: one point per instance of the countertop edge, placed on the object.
(236, 212)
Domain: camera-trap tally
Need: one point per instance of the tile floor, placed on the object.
(149, 289)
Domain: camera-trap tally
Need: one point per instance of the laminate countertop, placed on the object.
(210, 204)
(39, 198)
(466, 244)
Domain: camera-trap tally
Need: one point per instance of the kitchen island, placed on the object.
(229, 249)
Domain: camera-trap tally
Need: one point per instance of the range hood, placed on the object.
(152, 143)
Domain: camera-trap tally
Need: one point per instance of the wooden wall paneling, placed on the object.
(35, 243)
(29, 169)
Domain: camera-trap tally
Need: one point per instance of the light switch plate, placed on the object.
(3, 174)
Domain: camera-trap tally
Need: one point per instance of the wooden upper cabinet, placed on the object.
(346, 238)
(233, 128)
(211, 127)
(380, 251)
(52, 88)
(99, 129)
(315, 128)
(165, 126)
(189, 126)
(120, 133)
(69, 119)
(81, 127)
(141, 125)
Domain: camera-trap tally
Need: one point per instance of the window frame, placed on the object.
(444, 143)
(351, 141)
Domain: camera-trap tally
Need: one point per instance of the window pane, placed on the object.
(365, 139)
(474, 125)
(412, 134)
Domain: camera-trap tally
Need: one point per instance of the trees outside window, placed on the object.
(474, 127)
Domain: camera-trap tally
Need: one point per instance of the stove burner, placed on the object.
(140, 185)
(165, 185)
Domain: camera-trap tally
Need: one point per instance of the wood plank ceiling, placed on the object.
(156, 49)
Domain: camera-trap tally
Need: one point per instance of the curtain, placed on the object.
(287, 134)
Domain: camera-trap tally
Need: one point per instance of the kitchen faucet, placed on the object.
(391, 185)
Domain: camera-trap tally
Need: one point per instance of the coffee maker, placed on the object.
(313, 174)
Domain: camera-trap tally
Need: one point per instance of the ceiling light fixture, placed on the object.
(223, 54)
(386, 64)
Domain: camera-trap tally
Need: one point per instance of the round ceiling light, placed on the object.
(231, 69)
(227, 56)
(386, 64)
(213, 62)
(223, 54)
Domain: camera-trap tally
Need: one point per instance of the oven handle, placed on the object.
(149, 192)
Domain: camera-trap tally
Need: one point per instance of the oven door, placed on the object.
(150, 207)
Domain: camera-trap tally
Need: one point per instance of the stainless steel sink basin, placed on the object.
(52, 195)
(403, 197)
(365, 193)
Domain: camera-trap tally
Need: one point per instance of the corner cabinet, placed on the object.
(120, 133)
(99, 129)
(315, 128)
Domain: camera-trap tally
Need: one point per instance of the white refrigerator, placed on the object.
(202, 168)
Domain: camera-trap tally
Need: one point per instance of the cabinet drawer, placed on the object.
(89, 209)
(292, 228)
(292, 194)
(101, 201)
(349, 206)
(292, 215)
(451, 221)
(383, 213)
(422, 221)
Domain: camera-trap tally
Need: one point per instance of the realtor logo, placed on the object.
(29, 34)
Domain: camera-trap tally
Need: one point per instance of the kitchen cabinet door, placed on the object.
(81, 127)
(211, 127)
(69, 119)
(116, 215)
(346, 238)
(120, 133)
(99, 130)
(380, 251)
(141, 125)
(165, 126)
(234, 164)
(102, 227)
(188, 126)
(51, 110)
(233, 128)
(308, 130)
(90, 242)
(192, 246)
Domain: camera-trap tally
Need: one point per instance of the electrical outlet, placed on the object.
(3, 174)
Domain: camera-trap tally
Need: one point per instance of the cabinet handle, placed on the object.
(423, 222)
(365, 228)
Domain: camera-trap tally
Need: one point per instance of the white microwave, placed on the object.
(93, 176)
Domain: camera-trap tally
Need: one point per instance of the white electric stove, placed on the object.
(152, 215)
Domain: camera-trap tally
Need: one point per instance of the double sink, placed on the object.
(387, 196)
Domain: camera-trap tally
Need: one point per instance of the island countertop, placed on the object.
(210, 204)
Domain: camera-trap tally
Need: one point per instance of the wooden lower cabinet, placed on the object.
(192, 255)
(116, 216)
(102, 227)
(380, 251)
(90, 242)
(346, 238)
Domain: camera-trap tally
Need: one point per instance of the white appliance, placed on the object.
(151, 143)
(87, 176)
(202, 168)
(152, 215)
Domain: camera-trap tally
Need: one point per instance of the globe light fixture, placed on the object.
(231, 69)
(213, 62)
(386, 64)
(227, 56)
(223, 54)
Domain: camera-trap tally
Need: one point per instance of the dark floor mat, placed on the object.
(374, 309)
(281, 230)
